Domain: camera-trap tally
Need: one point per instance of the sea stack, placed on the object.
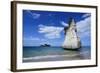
(72, 41)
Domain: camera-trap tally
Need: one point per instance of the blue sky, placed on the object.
(46, 27)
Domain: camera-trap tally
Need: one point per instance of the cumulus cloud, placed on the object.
(86, 15)
(63, 23)
(34, 15)
(50, 32)
(32, 38)
(84, 27)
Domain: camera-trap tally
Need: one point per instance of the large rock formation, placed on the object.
(72, 41)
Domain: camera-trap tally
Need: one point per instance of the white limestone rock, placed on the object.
(72, 41)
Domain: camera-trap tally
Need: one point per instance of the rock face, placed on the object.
(72, 41)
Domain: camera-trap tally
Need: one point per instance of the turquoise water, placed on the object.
(38, 54)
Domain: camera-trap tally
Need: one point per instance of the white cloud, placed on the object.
(84, 27)
(31, 38)
(63, 23)
(50, 32)
(86, 15)
(34, 41)
(34, 15)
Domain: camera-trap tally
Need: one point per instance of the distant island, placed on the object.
(45, 45)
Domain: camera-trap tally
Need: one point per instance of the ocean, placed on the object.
(41, 54)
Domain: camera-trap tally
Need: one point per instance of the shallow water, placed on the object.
(38, 54)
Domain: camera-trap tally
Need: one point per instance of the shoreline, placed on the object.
(57, 57)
